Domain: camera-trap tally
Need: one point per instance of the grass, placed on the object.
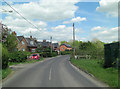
(5, 72)
(94, 66)
(31, 61)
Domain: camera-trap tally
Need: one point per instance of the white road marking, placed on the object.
(50, 74)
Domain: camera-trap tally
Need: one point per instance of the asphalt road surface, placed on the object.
(54, 72)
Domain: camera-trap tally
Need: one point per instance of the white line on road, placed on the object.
(50, 74)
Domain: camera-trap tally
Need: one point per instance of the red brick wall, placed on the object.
(63, 48)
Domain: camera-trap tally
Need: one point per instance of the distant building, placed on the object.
(64, 47)
(55, 46)
(44, 44)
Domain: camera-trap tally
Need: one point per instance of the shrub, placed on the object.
(4, 58)
(48, 54)
(18, 56)
(66, 52)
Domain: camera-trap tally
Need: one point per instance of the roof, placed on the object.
(67, 45)
(44, 44)
(55, 44)
(20, 38)
(33, 44)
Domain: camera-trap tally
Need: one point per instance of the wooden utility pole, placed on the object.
(51, 43)
(73, 40)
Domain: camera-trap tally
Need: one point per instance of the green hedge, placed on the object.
(4, 58)
(48, 54)
(66, 52)
(18, 56)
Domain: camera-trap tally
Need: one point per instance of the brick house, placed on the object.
(26, 44)
(64, 47)
(22, 43)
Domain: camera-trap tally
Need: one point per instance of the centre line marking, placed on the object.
(50, 74)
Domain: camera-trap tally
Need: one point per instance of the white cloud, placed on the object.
(61, 32)
(96, 28)
(110, 7)
(48, 10)
(77, 19)
(106, 34)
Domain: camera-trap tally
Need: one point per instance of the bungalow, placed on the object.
(65, 46)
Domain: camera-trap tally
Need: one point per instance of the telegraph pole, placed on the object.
(51, 43)
(73, 40)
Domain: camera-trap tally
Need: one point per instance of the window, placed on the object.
(31, 42)
(33, 50)
(62, 48)
(23, 43)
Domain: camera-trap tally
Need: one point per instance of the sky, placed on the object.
(93, 19)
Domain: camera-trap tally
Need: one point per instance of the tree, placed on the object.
(11, 43)
(8, 39)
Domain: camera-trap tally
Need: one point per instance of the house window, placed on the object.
(23, 43)
(31, 42)
(33, 50)
(62, 48)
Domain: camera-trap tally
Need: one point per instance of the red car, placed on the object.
(35, 56)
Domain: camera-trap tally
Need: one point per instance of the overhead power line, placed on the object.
(21, 15)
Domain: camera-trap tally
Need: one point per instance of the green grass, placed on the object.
(5, 72)
(94, 66)
(31, 61)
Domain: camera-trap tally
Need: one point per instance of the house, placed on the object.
(55, 46)
(31, 44)
(22, 43)
(64, 47)
(26, 44)
(44, 44)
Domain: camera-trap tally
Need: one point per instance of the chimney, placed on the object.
(65, 42)
(44, 40)
(30, 37)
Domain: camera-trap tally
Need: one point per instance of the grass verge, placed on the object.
(94, 66)
(6, 72)
(31, 61)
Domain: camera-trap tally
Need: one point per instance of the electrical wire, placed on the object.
(21, 15)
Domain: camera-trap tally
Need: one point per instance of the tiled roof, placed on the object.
(29, 42)
(55, 44)
(44, 44)
(67, 45)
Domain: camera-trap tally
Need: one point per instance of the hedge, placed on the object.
(18, 56)
(4, 58)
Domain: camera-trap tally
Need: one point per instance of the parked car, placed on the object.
(35, 56)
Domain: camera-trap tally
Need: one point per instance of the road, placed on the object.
(55, 72)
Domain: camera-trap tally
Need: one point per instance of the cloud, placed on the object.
(62, 32)
(110, 7)
(97, 28)
(47, 10)
(77, 19)
(106, 34)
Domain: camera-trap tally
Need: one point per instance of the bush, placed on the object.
(48, 54)
(18, 56)
(66, 52)
(4, 58)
